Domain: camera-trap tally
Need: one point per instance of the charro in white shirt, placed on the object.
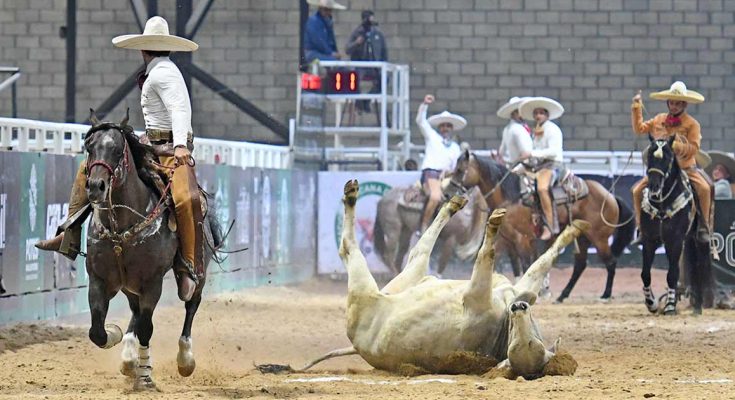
(516, 141)
(439, 154)
(165, 100)
(549, 145)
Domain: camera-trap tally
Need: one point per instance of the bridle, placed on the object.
(123, 166)
(656, 197)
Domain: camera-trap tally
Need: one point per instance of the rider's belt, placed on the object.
(162, 135)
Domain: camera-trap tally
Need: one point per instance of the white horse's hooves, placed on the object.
(185, 358)
(144, 383)
(114, 335)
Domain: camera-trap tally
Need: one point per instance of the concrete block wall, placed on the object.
(592, 55)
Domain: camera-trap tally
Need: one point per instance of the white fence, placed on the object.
(63, 138)
(605, 163)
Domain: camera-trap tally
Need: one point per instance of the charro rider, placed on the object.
(677, 122)
(516, 143)
(440, 155)
(548, 148)
(167, 113)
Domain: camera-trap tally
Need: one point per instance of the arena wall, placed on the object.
(473, 54)
(265, 204)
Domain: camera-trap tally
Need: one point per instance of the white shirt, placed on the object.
(439, 154)
(550, 145)
(165, 100)
(516, 141)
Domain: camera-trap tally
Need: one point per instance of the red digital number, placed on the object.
(353, 81)
(338, 81)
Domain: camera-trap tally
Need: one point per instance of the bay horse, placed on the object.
(669, 216)
(486, 174)
(130, 247)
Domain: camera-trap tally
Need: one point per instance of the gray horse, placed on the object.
(397, 219)
(131, 246)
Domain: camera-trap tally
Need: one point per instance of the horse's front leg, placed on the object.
(150, 294)
(185, 358)
(104, 336)
(130, 344)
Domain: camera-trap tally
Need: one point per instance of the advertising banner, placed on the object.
(724, 239)
(373, 185)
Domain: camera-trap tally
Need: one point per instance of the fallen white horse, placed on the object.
(435, 325)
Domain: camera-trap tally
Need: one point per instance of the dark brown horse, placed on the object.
(600, 208)
(130, 247)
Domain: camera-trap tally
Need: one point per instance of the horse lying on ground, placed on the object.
(419, 323)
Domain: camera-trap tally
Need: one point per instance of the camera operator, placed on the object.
(367, 43)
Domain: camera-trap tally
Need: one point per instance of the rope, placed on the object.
(615, 182)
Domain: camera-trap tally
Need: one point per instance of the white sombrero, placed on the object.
(327, 4)
(679, 91)
(507, 109)
(155, 37)
(458, 122)
(531, 103)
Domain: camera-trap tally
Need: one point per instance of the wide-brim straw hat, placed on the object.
(679, 91)
(327, 4)
(458, 122)
(507, 109)
(155, 37)
(720, 157)
(531, 103)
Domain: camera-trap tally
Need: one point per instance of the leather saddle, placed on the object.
(566, 189)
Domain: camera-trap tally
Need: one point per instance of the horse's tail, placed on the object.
(379, 237)
(623, 234)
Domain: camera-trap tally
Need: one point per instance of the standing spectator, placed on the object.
(319, 41)
(367, 43)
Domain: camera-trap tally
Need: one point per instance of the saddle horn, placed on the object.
(93, 118)
(125, 120)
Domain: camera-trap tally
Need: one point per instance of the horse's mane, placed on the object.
(510, 187)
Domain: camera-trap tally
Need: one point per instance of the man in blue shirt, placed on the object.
(319, 41)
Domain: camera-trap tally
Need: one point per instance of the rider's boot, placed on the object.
(69, 244)
(637, 199)
(546, 206)
(189, 270)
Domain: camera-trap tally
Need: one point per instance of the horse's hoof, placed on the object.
(559, 300)
(114, 335)
(351, 190)
(127, 368)
(496, 218)
(456, 203)
(605, 299)
(185, 358)
(697, 311)
(129, 355)
(144, 383)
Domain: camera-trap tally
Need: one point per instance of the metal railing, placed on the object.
(65, 138)
(393, 116)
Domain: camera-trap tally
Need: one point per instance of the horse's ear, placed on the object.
(125, 120)
(93, 118)
(466, 154)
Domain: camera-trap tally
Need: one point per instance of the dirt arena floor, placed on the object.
(623, 352)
